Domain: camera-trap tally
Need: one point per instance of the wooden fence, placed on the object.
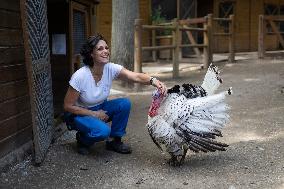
(264, 23)
(178, 26)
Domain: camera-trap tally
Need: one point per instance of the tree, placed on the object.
(124, 12)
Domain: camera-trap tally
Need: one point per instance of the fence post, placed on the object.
(261, 48)
(206, 46)
(231, 57)
(210, 41)
(176, 50)
(137, 46)
(154, 52)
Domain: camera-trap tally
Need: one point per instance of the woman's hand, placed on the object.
(101, 114)
(160, 86)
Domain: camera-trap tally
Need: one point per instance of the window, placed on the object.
(226, 8)
(79, 30)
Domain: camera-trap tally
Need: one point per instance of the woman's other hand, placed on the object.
(101, 114)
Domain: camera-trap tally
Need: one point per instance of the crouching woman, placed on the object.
(87, 108)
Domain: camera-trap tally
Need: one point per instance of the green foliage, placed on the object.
(158, 18)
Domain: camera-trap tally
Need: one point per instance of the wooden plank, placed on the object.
(13, 5)
(12, 73)
(193, 21)
(9, 19)
(164, 37)
(261, 47)
(158, 47)
(9, 144)
(231, 57)
(275, 29)
(138, 46)
(193, 42)
(194, 46)
(14, 124)
(152, 27)
(12, 56)
(192, 29)
(221, 19)
(176, 50)
(11, 37)
(222, 34)
(206, 49)
(13, 90)
(14, 107)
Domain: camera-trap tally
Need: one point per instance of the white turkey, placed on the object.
(189, 118)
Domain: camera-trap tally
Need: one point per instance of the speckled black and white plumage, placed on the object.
(189, 118)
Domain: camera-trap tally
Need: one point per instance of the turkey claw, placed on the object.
(176, 161)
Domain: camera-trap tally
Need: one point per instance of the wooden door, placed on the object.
(80, 30)
(37, 61)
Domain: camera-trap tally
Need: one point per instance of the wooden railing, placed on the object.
(264, 22)
(178, 26)
(230, 34)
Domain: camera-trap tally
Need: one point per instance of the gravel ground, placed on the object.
(254, 159)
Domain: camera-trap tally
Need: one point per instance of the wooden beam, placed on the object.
(193, 21)
(193, 42)
(274, 28)
(178, 9)
(158, 47)
(205, 49)
(138, 46)
(231, 57)
(176, 40)
(210, 37)
(154, 53)
(261, 48)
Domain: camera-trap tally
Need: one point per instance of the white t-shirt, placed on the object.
(92, 93)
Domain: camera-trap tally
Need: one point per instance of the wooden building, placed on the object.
(246, 22)
(246, 14)
(15, 109)
(39, 45)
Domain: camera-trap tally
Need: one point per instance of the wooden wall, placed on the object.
(15, 115)
(246, 26)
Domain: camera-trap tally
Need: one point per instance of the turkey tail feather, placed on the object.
(198, 143)
(211, 80)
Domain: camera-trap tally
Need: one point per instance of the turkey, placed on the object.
(189, 118)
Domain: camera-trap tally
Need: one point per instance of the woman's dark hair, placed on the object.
(88, 47)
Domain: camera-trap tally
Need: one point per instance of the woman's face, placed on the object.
(100, 53)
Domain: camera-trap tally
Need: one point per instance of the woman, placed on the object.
(86, 104)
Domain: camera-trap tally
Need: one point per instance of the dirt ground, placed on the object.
(254, 159)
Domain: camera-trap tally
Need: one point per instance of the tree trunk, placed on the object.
(124, 12)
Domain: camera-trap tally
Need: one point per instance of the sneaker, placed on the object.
(82, 149)
(118, 147)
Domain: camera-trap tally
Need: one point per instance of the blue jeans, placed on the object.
(92, 129)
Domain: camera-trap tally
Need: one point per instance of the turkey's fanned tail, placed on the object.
(208, 116)
(211, 80)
